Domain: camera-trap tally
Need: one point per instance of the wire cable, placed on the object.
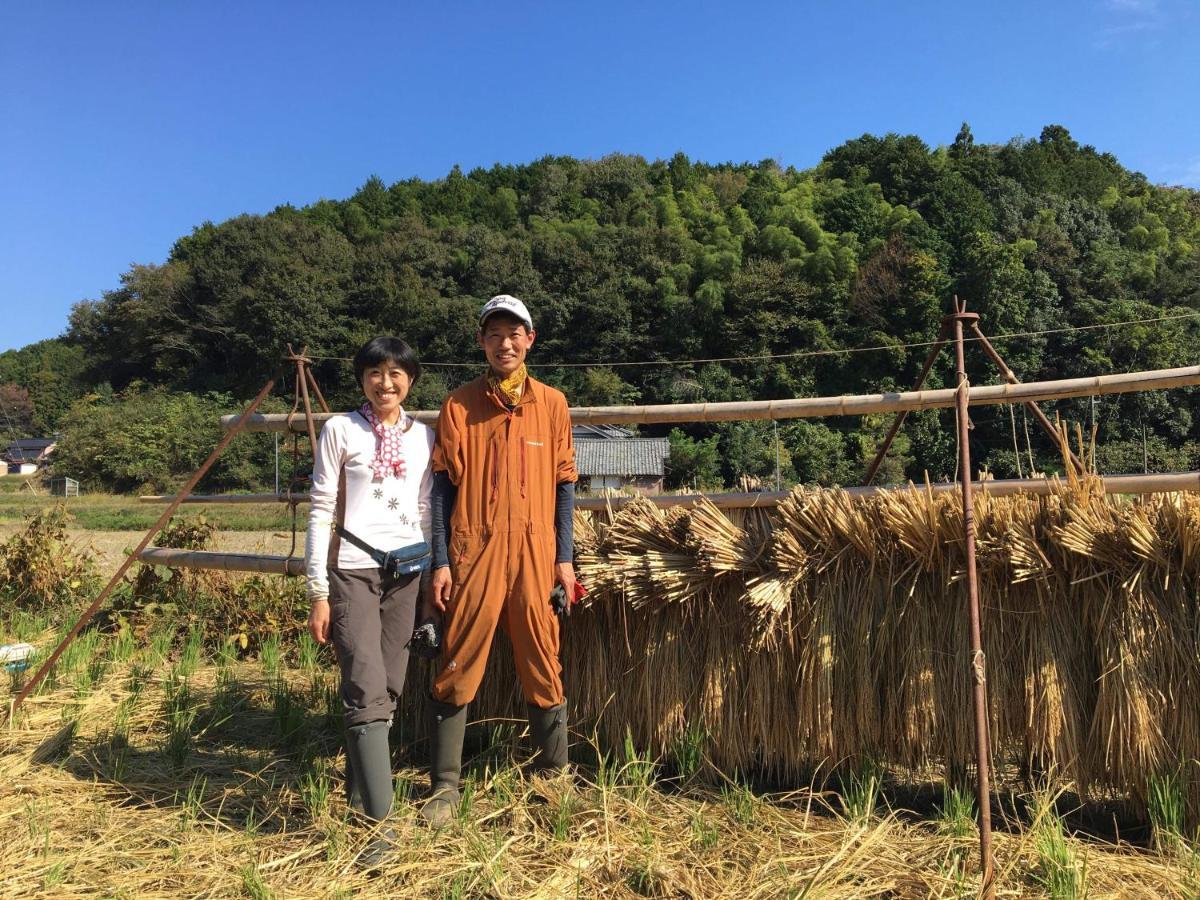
(802, 354)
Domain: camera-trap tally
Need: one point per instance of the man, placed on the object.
(503, 498)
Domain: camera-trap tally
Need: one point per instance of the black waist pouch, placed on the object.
(403, 561)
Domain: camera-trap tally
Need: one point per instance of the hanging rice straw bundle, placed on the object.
(587, 537)
(720, 545)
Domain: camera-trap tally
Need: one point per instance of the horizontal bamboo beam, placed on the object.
(810, 407)
(225, 562)
(229, 498)
(1004, 487)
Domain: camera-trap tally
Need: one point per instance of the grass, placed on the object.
(254, 808)
(1061, 869)
(114, 512)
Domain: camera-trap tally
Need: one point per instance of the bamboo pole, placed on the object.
(230, 498)
(1164, 483)
(225, 562)
(813, 407)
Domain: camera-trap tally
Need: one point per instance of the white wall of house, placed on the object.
(607, 481)
(19, 468)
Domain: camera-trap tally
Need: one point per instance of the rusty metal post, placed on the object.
(903, 414)
(133, 557)
(301, 361)
(312, 383)
(978, 661)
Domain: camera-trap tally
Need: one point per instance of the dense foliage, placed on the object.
(624, 260)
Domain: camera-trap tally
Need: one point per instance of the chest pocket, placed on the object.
(535, 461)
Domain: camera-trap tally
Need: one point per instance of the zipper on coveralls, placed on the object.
(522, 469)
(495, 473)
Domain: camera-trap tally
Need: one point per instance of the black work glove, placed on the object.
(558, 602)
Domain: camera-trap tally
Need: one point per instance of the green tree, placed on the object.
(693, 463)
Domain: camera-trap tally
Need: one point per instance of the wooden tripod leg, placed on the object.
(1011, 378)
(873, 468)
(145, 542)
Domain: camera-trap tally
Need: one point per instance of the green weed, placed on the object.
(956, 815)
(290, 715)
(1167, 805)
(308, 653)
(562, 818)
(860, 793)
(739, 800)
(253, 883)
(180, 714)
(1059, 872)
(123, 647)
(705, 834)
(688, 752)
(193, 801)
(189, 656)
(316, 791)
(270, 657)
(55, 875)
(637, 772)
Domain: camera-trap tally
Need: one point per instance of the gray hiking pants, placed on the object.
(370, 622)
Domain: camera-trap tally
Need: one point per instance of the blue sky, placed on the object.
(125, 124)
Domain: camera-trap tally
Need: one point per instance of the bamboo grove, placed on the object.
(831, 632)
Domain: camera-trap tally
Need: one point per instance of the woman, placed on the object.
(370, 492)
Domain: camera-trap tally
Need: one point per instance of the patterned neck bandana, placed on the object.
(508, 390)
(389, 444)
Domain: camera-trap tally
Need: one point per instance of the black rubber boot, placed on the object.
(371, 761)
(447, 726)
(548, 732)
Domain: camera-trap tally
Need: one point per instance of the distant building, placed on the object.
(608, 456)
(26, 456)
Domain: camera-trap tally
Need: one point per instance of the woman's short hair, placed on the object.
(389, 350)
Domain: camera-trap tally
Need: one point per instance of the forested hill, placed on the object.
(624, 260)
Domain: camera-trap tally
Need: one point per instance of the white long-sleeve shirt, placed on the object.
(387, 513)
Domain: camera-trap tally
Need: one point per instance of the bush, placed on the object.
(220, 606)
(151, 440)
(40, 570)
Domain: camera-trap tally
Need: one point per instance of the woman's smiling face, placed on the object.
(386, 387)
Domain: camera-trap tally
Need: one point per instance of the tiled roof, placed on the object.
(583, 432)
(631, 456)
(27, 450)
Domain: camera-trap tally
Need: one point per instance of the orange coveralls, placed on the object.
(507, 466)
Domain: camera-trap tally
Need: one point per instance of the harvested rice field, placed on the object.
(764, 704)
(155, 771)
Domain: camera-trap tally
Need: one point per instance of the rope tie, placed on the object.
(978, 666)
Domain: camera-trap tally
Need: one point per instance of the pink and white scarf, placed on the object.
(389, 444)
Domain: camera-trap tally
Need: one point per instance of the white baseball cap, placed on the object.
(507, 304)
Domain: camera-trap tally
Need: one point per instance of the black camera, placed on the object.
(426, 640)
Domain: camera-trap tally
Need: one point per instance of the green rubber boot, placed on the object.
(548, 732)
(371, 760)
(354, 798)
(447, 726)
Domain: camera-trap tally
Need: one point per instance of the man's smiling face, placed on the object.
(505, 341)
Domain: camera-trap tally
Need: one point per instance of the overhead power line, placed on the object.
(804, 354)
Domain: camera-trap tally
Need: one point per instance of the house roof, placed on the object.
(607, 432)
(629, 457)
(27, 450)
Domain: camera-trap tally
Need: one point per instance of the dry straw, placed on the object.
(833, 630)
(94, 802)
